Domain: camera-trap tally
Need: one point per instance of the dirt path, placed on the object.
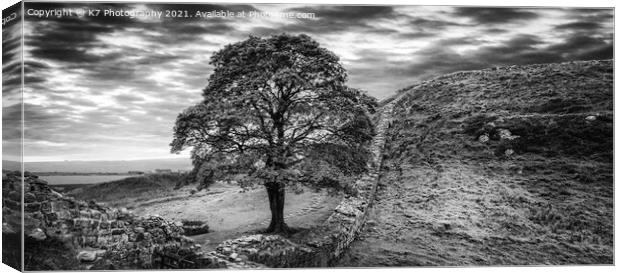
(230, 211)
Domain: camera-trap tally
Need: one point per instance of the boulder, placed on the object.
(37, 234)
(87, 256)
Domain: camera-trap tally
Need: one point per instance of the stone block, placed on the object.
(51, 217)
(95, 214)
(86, 256)
(104, 224)
(41, 196)
(118, 231)
(104, 216)
(37, 234)
(32, 207)
(36, 215)
(65, 237)
(82, 205)
(90, 240)
(74, 213)
(63, 214)
(45, 206)
(81, 222)
(13, 205)
(84, 214)
(28, 197)
(104, 232)
(65, 226)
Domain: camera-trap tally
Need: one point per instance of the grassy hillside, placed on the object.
(509, 165)
(130, 191)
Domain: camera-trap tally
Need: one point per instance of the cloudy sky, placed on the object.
(109, 88)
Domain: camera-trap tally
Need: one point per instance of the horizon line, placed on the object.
(99, 160)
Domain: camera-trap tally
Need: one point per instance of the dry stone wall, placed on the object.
(11, 223)
(98, 237)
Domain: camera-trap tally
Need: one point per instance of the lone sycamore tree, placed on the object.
(275, 112)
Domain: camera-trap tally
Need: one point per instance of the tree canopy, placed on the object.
(271, 106)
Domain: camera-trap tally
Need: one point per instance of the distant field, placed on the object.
(126, 191)
(118, 166)
(81, 179)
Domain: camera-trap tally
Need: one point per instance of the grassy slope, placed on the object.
(130, 191)
(448, 198)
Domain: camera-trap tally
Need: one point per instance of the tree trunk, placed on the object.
(276, 205)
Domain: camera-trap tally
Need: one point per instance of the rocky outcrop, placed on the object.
(195, 227)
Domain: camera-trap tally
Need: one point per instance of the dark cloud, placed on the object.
(467, 40)
(11, 122)
(71, 38)
(586, 10)
(11, 60)
(485, 15)
(518, 50)
(575, 43)
(31, 69)
(349, 14)
(37, 116)
(591, 13)
(579, 26)
(433, 24)
(586, 20)
(584, 47)
(69, 100)
(421, 27)
(330, 19)
(602, 52)
(174, 32)
(519, 43)
(120, 71)
(32, 66)
(197, 29)
(439, 60)
(496, 30)
(521, 50)
(67, 40)
(11, 84)
(417, 34)
(10, 43)
(30, 79)
(11, 77)
(118, 83)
